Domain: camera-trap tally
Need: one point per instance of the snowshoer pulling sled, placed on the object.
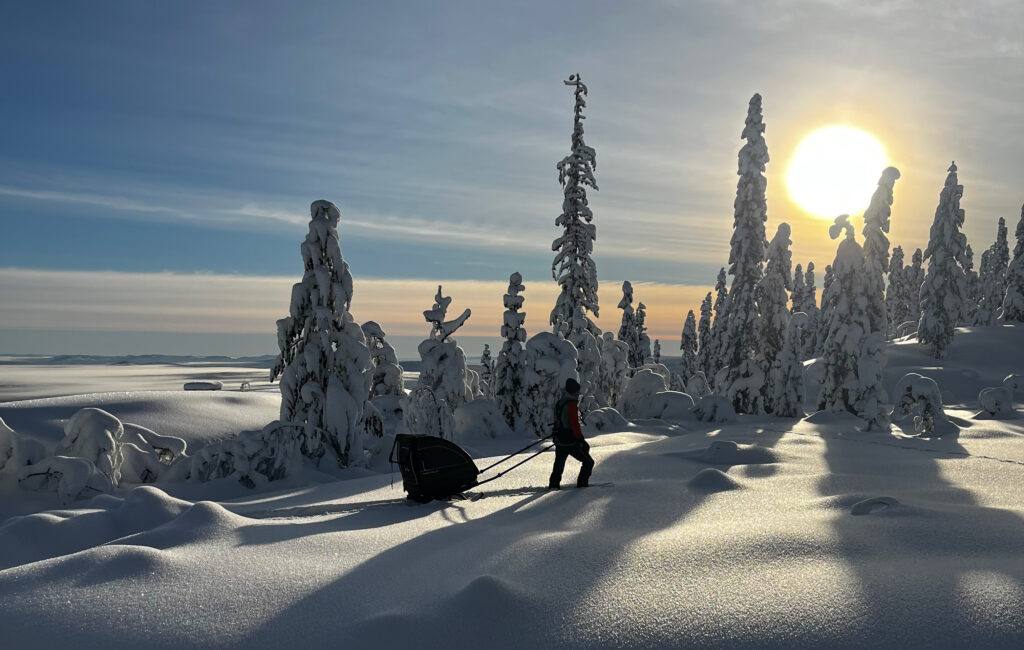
(568, 438)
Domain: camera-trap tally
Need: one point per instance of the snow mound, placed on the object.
(711, 480)
(873, 505)
(714, 408)
(480, 418)
(606, 420)
(203, 522)
(45, 535)
(727, 452)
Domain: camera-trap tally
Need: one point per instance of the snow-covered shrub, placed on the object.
(605, 420)
(391, 414)
(70, 477)
(698, 385)
(487, 372)
(443, 369)
(998, 401)
(785, 388)
(876, 249)
(549, 360)
(740, 337)
(479, 419)
(17, 451)
(714, 408)
(387, 373)
(920, 397)
(743, 385)
(324, 364)
(167, 448)
(641, 389)
(427, 414)
(944, 290)
(509, 389)
(95, 435)
(140, 465)
(614, 370)
(253, 458)
(671, 405)
(1013, 300)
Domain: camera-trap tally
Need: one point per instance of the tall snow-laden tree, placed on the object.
(852, 356)
(614, 370)
(944, 290)
(704, 342)
(825, 313)
(809, 333)
(487, 372)
(573, 268)
(876, 248)
(324, 364)
(629, 328)
(1013, 301)
(718, 326)
(772, 297)
(688, 344)
(972, 297)
(897, 294)
(994, 263)
(509, 387)
(443, 368)
(915, 278)
(644, 342)
(786, 376)
(747, 253)
(796, 296)
(387, 373)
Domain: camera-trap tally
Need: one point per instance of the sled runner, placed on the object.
(435, 468)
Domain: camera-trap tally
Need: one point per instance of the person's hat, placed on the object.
(572, 386)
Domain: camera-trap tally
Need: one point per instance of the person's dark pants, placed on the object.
(581, 452)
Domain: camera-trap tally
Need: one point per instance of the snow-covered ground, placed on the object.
(802, 534)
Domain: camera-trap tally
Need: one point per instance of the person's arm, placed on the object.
(574, 420)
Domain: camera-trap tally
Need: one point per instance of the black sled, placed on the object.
(435, 468)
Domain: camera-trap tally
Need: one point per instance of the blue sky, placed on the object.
(149, 139)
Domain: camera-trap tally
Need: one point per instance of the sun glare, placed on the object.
(834, 170)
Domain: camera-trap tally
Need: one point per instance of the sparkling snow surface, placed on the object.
(801, 534)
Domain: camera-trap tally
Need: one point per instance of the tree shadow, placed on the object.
(914, 560)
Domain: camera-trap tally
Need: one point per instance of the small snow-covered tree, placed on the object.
(656, 354)
(387, 373)
(994, 263)
(718, 326)
(853, 355)
(704, 336)
(825, 313)
(614, 370)
(443, 363)
(772, 298)
(631, 328)
(549, 361)
(897, 294)
(920, 397)
(324, 364)
(796, 296)
(785, 396)
(915, 278)
(1013, 301)
(509, 390)
(747, 253)
(487, 372)
(972, 284)
(688, 345)
(944, 290)
(876, 249)
(809, 332)
(644, 343)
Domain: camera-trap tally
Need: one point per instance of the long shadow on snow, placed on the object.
(525, 573)
(911, 560)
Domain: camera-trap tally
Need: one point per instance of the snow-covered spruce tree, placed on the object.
(487, 372)
(573, 268)
(387, 373)
(972, 298)
(994, 263)
(785, 397)
(1013, 301)
(825, 313)
(704, 335)
(688, 346)
(809, 332)
(509, 390)
(549, 360)
(644, 342)
(944, 290)
(443, 363)
(772, 298)
(876, 248)
(629, 327)
(796, 296)
(324, 364)
(718, 325)
(746, 256)
(897, 293)
(853, 355)
(915, 278)
(614, 370)
(656, 355)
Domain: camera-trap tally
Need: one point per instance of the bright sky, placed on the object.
(158, 160)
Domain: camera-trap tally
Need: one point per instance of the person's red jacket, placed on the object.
(573, 409)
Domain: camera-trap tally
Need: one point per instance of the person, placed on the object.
(568, 438)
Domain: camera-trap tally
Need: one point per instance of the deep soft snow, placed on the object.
(763, 532)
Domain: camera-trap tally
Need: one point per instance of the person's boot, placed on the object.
(554, 486)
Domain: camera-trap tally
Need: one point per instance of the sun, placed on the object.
(834, 170)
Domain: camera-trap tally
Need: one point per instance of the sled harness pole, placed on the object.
(523, 461)
(532, 444)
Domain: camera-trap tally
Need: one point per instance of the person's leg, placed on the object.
(581, 452)
(561, 453)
